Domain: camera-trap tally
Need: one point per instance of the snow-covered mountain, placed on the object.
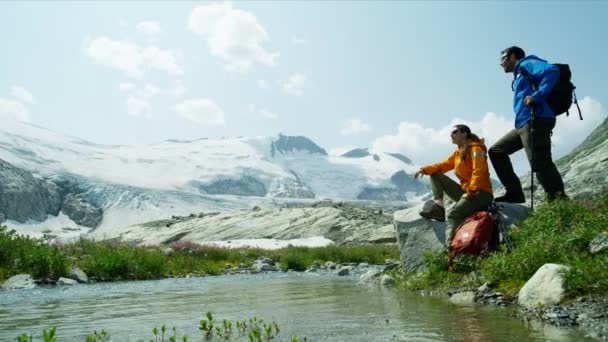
(137, 183)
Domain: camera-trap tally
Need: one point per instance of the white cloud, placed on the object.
(126, 87)
(131, 58)
(178, 89)
(137, 106)
(299, 41)
(263, 84)
(149, 28)
(295, 84)
(13, 110)
(426, 145)
(149, 91)
(233, 35)
(266, 114)
(354, 127)
(201, 111)
(570, 131)
(22, 95)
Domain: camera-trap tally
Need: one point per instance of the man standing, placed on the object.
(533, 80)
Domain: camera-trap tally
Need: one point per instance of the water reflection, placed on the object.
(320, 307)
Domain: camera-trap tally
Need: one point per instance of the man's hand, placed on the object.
(528, 101)
(418, 173)
(469, 195)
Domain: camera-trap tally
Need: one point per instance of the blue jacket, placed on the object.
(544, 76)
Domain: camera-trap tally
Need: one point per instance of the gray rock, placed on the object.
(363, 265)
(387, 280)
(599, 244)
(344, 271)
(369, 276)
(261, 267)
(356, 153)
(19, 281)
(286, 144)
(415, 235)
(484, 288)
(23, 196)
(265, 260)
(330, 265)
(82, 212)
(463, 298)
(546, 287)
(78, 275)
(66, 281)
(244, 186)
(168, 251)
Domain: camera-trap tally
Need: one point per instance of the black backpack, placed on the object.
(562, 95)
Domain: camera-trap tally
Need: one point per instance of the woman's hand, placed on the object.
(418, 173)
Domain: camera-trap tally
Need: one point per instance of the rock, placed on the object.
(330, 265)
(19, 281)
(484, 288)
(369, 276)
(415, 235)
(599, 244)
(261, 267)
(387, 280)
(25, 196)
(256, 208)
(168, 251)
(66, 281)
(463, 298)
(363, 265)
(512, 214)
(265, 260)
(344, 271)
(546, 287)
(264, 264)
(78, 275)
(81, 211)
(244, 186)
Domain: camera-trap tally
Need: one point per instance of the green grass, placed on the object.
(254, 329)
(557, 232)
(119, 261)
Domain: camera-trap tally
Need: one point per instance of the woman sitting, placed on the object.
(470, 164)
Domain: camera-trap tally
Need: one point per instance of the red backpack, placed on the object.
(474, 237)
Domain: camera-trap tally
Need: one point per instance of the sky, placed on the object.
(393, 76)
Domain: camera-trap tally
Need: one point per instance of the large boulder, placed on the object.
(78, 275)
(545, 288)
(23, 196)
(415, 235)
(81, 211)
(19, 281)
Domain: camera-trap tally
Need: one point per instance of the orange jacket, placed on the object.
(472, 171)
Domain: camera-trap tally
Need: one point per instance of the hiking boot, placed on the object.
(511, 197)
(558, 196)
(435, 212)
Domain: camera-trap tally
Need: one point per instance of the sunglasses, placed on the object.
(504, 58)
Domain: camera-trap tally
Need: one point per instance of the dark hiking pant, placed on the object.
(464, 207)
(539, 156)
